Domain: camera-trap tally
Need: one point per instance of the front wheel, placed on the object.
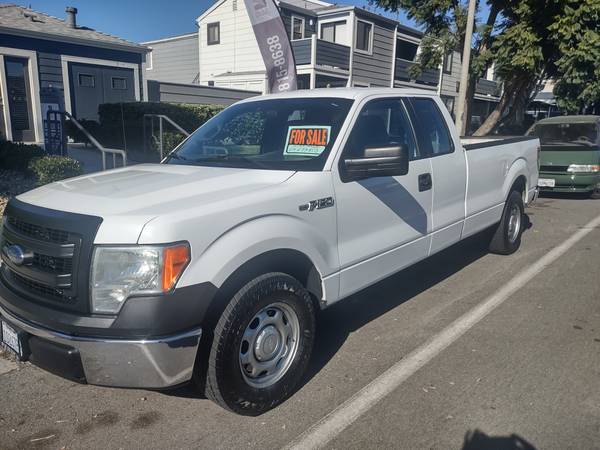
(595, 194)
(507, 237)
(262, 345)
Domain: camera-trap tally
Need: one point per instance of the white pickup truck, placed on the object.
(211, 266)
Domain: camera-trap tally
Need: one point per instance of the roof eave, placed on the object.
(136, 48)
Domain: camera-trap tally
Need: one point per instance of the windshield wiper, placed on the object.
(176, 156)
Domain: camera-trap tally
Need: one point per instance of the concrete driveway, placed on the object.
(523, 374)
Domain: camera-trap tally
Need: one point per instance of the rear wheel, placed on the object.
(507, 237)
(262, 345)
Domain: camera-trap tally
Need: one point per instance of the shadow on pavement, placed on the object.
(478, 440)
(336, 322)
(565, 195)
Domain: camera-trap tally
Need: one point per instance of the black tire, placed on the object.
(595, 194)
(225, 383)
(504, 242)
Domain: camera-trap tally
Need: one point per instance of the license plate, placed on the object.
(546, 182)
(11, 338)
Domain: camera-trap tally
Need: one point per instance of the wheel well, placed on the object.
(520, 185)
(288, 261)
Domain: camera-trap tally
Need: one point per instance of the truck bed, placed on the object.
(492, 162)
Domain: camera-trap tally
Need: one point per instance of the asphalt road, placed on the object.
(526, 375)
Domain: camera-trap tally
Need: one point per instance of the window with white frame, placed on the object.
(406, 50)
(149, 60)
(364, 36)
(297, 28)
(334, 31)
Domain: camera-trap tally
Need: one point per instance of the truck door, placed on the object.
(449, 170)
(383, 222)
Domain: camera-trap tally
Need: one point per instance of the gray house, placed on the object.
(50, 63)
(173, 59)
(334, 45)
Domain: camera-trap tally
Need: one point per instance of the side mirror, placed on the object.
(377, 162)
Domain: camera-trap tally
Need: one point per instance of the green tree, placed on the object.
(523, 54)
(527, 41)
(577, 36)
(444, 24)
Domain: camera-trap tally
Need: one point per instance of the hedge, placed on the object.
(116, 116)
(48, 169)
(171, 139)
(16, 156)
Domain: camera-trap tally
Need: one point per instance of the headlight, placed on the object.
(122, 272)
(580, 168)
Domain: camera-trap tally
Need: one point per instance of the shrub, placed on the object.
(189, 117)
(170, 141)
(16, 156)
(48, 169)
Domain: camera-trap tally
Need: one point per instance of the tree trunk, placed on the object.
(469, 101)
(513, 90)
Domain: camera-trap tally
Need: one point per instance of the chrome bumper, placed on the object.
(533, 196)
(148, 363)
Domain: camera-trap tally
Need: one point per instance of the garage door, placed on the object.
(93, 85)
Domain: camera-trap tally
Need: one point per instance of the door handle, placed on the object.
(425, 182)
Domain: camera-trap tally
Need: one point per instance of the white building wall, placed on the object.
(237, 51)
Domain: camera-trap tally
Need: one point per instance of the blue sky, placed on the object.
(140, 20)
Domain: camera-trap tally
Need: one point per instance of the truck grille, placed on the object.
(560, 169)
(42, 289)
(39, 232)
(58, 246)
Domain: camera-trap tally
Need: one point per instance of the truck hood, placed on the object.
(130, 197)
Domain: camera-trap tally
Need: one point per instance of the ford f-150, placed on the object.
(211, 266)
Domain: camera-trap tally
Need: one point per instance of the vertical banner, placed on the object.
(274, 45)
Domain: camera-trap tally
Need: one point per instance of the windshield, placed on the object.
(284, 134)
(583, 134)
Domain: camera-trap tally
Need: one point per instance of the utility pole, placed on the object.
(464, 74)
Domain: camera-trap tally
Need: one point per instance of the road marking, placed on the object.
(344, 415)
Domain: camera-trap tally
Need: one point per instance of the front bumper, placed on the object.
(153, 363)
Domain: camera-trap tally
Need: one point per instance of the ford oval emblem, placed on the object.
(16, 254)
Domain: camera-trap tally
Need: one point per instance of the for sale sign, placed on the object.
(307, 140)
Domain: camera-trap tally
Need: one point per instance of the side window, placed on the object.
(432, 132)
(86, 80)
(381, 123)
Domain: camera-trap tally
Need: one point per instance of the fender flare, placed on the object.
(517, 170)
(238, 245)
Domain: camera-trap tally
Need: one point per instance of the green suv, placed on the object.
(570, 154)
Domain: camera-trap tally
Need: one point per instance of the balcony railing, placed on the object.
(430, 77)
(488, 87)
(327, 54)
